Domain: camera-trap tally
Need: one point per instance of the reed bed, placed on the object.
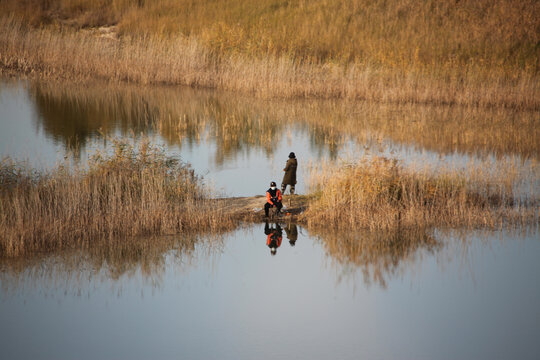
(497, 35)
(378, 193)
(189, 60)
(136, 190)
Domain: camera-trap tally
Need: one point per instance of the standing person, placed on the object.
(273, 198)
(290, 174)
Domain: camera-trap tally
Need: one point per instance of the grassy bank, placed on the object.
(127, 193)
(137, 191)
(497, 35)
(378, 193)
(436, 52)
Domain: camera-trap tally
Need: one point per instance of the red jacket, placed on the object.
(269, 196)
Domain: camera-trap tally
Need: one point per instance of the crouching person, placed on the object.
(273, 198)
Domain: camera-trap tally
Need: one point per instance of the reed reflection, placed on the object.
(104, 260)
(380, 255)
(74, 114)
(75, 117)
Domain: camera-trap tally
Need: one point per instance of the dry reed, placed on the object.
(497, 143)
(188, 60)
(497, 35)
(128, 193)
(378, 193)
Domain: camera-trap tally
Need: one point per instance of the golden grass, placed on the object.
(189, 60)
(378, 193)
(131, 192)
(433, 34)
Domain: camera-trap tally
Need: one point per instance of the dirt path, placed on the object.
(252, 208)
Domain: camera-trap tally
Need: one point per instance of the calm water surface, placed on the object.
(432, 295)
(457, 296)
(240, 144)
(46, 129)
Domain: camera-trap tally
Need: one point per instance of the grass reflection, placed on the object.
(379, 255)
(104, 260)
(73, 114)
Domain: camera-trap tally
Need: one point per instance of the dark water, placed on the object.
(450, 296)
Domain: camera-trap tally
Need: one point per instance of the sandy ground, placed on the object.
(252, 208)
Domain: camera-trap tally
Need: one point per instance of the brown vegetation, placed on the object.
(406, 52)
(127, 193)
(378, 193)
(468, 35)
(46, 211)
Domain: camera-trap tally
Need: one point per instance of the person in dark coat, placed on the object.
(290, 174)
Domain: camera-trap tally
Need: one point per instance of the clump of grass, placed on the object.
(378, 193)
(136, 190)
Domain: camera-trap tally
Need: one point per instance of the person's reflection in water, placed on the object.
(292, 233)
(274, 237)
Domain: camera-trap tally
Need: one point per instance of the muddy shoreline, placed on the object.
(251, 208)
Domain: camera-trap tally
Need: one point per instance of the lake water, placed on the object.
(240, 144)
(430, 294)
(457, 296)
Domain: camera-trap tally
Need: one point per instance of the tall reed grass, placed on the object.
(379, 193)
(136, 190)
(494, 143)
(188, 60)
(495, 35)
